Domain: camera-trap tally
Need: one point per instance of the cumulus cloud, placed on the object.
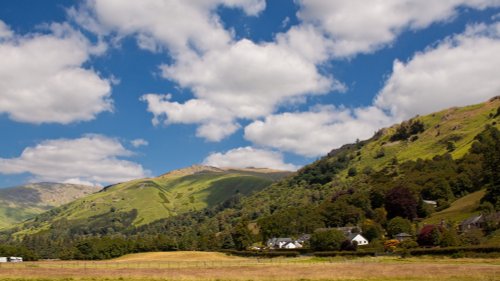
(92, 159)
(42, 79)
(245, 157)
(245, 81)
(457, 71)
(230, 79)
(5, 31)
(359, 26)
(460, 70)
(318, 131)
(179, 25)
(139, 142)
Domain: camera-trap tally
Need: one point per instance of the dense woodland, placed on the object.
(381, 203)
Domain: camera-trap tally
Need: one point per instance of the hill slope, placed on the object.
(443, 157)
(23, 202)
(142, 201)
(459, 210)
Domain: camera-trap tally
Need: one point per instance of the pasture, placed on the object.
(217, 266)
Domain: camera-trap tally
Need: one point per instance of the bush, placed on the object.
(327, 240)
(398, 225)
(345, 254)
(466, 251)
(263, 254)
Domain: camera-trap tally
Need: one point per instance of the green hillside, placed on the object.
(143, 201)
(23, 202)
(459, 210)
(457, 126)
(451, 157)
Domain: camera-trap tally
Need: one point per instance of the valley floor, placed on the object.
(215, 266)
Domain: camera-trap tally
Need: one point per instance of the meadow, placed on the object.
(217, 266)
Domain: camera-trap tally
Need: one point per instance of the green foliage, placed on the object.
(264, 254)
(487, 144)
(234, 209)
(327, 240)
(449, 238)
(453, 250)
(17, 250)
(345, 254)
(407, 129)
(398, 225)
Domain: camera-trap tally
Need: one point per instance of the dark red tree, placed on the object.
(400, 202)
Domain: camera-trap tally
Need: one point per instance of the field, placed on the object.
(216, 266)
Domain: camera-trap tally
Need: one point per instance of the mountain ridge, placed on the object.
(25, 201)
(142, 201)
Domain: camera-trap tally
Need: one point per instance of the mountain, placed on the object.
(22, 202)
(143, 201)
(448, 132)
(446, 156)
(442, 156)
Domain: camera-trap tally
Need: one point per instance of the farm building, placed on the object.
(403, 236)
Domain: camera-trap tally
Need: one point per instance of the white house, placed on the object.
(292, 245)
(278, 243)
(358, 238)
(3, 259)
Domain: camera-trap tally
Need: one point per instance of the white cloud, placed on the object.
(180, 25)
(359, 26)
(42, 79)
(92, 159)
(5, 31)
(460, 70)
(245, 157)
(81, 182)
(318, 131)
(246, 81)
(230, 79)
(139, 142)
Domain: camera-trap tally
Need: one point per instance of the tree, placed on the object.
(352, 172)
(449, 238)
(400, 202)
(348, 245)
(242, 236)
(398, 225)
(488, 145)
(430, 235)
(327, 240)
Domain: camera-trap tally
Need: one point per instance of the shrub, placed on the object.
(263, 254)
(344, 254)
(327, 240)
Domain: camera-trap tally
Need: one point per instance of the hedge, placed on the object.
(455, 250)
(345, 253)
(263, 254)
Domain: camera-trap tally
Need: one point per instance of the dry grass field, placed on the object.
(216, 266)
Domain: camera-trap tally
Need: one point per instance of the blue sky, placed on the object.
(103, 91)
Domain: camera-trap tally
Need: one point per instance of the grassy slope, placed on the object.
(458, 124)
(459, 210)
(461, 124)
(23, 202)
(164, 196)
